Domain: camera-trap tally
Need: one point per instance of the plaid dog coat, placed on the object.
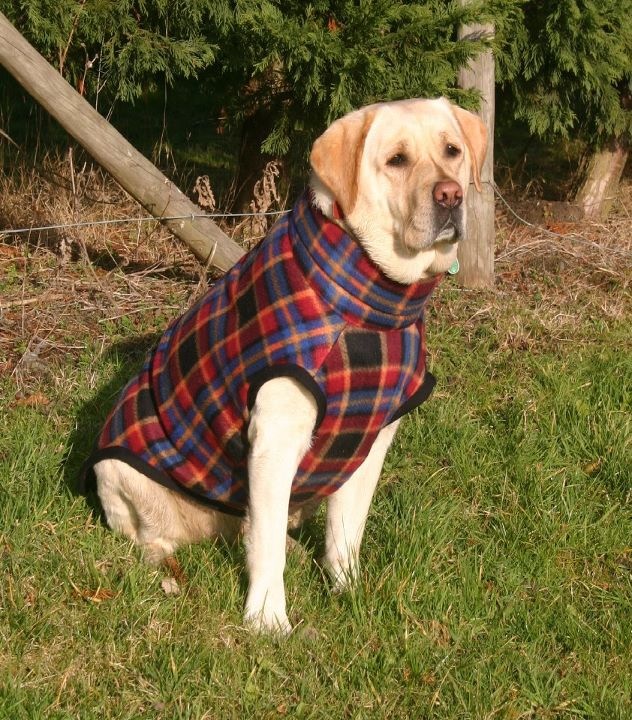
(307, 303)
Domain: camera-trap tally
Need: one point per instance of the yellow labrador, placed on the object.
(388, 180)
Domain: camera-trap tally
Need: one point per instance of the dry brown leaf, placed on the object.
(437, 632)
(34, 400)
(29, 596)
(94, 596)
(206, 198)
(175, 569)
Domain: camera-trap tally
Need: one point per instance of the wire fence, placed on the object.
(573, 236)
(130, 220)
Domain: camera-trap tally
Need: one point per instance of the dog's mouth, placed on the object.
(444, 228)
(448, 225)
(449, 233)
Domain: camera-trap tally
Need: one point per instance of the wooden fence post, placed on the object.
(139, 177)
(476, 252)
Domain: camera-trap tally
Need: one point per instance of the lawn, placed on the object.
(496, 575)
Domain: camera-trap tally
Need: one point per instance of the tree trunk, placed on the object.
(476, 252)
(252, 161)
(156, 193)
(599, 189)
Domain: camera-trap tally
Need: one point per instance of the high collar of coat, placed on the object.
(340, 271)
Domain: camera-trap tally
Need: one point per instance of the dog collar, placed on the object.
(340, 271)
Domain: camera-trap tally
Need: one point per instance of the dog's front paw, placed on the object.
(342, 576)
(267, 622)
(265, 613)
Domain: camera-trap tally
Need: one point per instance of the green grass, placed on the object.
(496, 571)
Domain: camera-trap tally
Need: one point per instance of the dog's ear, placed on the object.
(336, 156)
(475, 134)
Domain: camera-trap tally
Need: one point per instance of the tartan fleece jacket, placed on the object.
(308, 303)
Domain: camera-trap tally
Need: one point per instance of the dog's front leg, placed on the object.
(280, 432)
(347, 511)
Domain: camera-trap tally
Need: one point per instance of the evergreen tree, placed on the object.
(567, 68)
(120, 49)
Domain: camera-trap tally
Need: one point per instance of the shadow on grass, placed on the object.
(130, 355)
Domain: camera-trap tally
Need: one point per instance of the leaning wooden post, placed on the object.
(142, 180)
(476, 253)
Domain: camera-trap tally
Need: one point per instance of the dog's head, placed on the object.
(400, 172)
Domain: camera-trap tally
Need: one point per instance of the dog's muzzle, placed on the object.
(448, 198)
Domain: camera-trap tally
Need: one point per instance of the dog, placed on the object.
(285, 384)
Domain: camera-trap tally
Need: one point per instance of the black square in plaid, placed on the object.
(346, 444)
(364, 350)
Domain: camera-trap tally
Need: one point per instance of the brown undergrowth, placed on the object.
(63, 290)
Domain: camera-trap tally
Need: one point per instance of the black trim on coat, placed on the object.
(87, 479)
(296, 373)
(418, 398)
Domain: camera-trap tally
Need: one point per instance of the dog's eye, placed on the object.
(452, 150)
(397, 160)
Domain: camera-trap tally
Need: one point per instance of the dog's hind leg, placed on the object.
(157, 519)
(130, 504)
(119, 509)
(347, 511)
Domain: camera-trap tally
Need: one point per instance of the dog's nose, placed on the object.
(448, 194)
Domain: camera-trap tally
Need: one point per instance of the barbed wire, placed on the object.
(121, 221)
(574, 237)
